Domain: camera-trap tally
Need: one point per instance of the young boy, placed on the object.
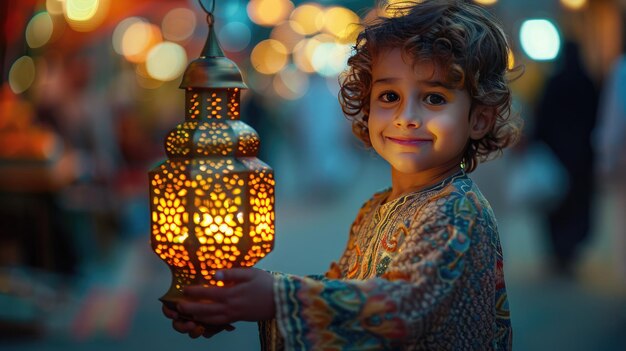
(422, 269)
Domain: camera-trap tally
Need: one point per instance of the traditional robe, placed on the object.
(420, 272)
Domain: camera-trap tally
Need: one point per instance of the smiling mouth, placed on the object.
(409, 142)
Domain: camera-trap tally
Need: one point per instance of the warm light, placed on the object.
(144, 79)
(22, 74)
(235, 36)
(178, 24)
(303, 53)
(269, 56)
(330, 59)
(511, 60)
(387, 11)
(286, 35)
(574, 4)
(138, 39)
(39, 30)
(269, 12)
(291, 83)
(485, 2)
(540, 39)
(54, 7)
(120, 30)
(85, 15)
(309, 17)
(342, 23)
(166, 61)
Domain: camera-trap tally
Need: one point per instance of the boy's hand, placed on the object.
(194, 329)
(248, 295)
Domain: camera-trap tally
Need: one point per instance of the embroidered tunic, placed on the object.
(421, 272)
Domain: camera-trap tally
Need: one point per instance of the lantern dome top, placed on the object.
(213, 69)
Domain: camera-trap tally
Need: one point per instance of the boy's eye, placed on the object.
(389, 96)
(435, 99)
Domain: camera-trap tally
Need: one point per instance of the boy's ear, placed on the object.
(482, 120)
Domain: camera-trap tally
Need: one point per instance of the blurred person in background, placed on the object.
(610, 147)
(564, 119)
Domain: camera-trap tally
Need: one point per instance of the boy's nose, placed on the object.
(408, 117)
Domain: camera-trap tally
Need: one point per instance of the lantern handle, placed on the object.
(206, 8)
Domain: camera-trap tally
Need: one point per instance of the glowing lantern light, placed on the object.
(540, 39)
(212, 200)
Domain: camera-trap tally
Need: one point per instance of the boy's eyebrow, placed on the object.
(430, 83)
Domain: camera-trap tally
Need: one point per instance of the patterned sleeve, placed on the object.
(384, 312)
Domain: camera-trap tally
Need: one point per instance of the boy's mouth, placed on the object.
(406, 141)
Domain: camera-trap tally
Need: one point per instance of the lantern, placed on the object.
(212, 199)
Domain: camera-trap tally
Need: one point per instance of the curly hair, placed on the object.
(463, 40)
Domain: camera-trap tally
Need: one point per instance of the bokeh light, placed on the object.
(85, 15)
(144, 79)
(269, 12)
(120, 30)
(305, 50)
(54, 7)
(540, 39)
(330, 59)
(234, 36)
(166, 61)
(138, 39)
(309, 17)
(285, 33)
(22, 74)
(574, 4)
(178, 24)
(291, 83)
(39, 30)
(269, 56)
(342, 23)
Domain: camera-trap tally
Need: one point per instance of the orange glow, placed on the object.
(342, 23)
(138, 39)
(309, 17)
(574, 4)
(85, 15)
(269, 56)
(285, 34)
(269, 12)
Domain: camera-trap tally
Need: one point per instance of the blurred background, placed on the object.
(90, 89)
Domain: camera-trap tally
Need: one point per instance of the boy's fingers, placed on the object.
(171, 314)
(183, 326)
(199, 292)
(235, 275)
(200, 311)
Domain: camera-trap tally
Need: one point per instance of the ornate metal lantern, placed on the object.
(212, 199)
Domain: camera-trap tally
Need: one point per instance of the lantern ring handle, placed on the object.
(206, 8)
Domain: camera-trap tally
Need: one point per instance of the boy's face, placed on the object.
(416, 123)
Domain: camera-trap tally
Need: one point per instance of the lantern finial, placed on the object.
(212, 46)
(213, 69)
